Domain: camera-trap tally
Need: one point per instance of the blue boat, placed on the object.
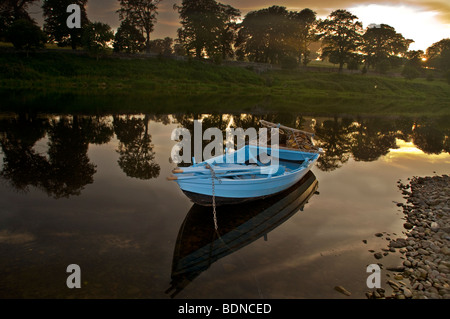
(241, 176)
(199, 244)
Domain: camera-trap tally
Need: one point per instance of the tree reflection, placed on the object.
(335, 137)
(372, 139)
(65, 169)
(51, 153)
(70, 169)
(22, 165)
(429, 139)
(137, 158)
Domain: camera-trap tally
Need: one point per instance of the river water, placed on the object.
(91, 190)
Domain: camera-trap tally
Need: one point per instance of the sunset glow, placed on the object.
(422, 21)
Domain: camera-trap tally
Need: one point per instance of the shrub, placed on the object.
(410, 73)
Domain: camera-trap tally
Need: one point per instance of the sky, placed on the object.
(424, 21)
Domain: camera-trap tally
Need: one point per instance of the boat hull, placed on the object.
(234, 191)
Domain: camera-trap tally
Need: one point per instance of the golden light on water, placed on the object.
(407, 150)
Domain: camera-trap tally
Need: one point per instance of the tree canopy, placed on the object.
(55, 25)
(128, 38)
(341, 35)
(438, 55)
(13, 10)
(96, 37)
(381, 43)
(207, 27)
(25, 35)
(140, 14)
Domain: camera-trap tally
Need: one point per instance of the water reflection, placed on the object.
(51, 152)
(199, 245)
(137, 158)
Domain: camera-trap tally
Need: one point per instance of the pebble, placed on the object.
(378, 255)
(426, 244)
(342, 290)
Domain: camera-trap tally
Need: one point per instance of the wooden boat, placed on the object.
(240, 176)
(199, 245)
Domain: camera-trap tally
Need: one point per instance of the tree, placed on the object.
(206, 27)
(141, 14)
(13, 10)
(96, 36)
(304, 33)
(438, 55)
(128, 38)
(263, 34)
(162, 47)
(341, 35)
(55, 25)
(228, 33)
(381, 44)
(26, 35)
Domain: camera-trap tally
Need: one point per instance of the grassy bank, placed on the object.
(69, 80)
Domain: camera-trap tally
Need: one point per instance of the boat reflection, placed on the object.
(199, 244)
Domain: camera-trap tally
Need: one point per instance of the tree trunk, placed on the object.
(147, 44)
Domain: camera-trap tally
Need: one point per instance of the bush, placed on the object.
(289, 63)
(410, 73)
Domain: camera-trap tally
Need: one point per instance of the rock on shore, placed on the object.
(426, 245)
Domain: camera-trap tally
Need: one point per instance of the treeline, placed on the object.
(213, 30)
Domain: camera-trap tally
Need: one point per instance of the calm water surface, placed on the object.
(92, 191)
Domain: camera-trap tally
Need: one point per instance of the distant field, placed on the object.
(160, 84)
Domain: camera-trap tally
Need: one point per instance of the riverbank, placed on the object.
(158, 83)
(425, 249)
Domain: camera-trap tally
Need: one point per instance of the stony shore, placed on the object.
(425, 273)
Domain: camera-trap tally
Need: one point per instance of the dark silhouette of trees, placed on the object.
(163, 47)
(55, 26)
(13, 10)
(141, 14)
(413, 65)
(304, 33)
(381, 45)
(25, 35)
(438, 55)
(228, 33)
(96, 36)
(263, 34)
(137, 158)
(207, 27)
(128, 38)
(341, 35)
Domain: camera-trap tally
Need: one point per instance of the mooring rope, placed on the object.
(213, 176)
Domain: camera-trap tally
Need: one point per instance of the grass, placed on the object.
(59, 80)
